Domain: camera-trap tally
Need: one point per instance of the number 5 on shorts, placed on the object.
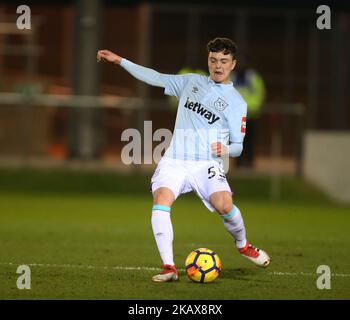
(211, 172)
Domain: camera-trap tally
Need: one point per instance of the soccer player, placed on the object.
(210, 125)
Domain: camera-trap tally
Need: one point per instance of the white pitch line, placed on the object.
(309, 274)
(46, 265)
(83, 266)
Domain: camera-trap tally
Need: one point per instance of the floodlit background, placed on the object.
(44, 71)
(62, 116)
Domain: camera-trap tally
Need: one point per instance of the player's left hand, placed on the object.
(219, 149)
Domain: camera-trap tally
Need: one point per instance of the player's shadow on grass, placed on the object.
(244, 274)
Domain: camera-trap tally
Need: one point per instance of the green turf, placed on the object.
(76, 229)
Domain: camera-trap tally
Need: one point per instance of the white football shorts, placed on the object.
(181, 176)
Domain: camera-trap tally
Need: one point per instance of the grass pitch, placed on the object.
(88, 236)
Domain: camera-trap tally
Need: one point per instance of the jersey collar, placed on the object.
(221, 85)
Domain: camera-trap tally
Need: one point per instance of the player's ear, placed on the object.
(233, 64)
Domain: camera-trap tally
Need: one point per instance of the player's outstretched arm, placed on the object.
(144, 74)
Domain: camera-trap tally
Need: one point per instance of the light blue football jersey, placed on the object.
(207, 112)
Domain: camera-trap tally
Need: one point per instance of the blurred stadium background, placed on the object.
(59, 107)
(60, 110)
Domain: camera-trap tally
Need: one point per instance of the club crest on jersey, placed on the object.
(201, 110)
(220, 104)
(194, 89)
(244, 124)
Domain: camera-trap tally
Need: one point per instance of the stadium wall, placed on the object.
(326, 162)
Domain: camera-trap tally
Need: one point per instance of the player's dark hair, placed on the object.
(225, 45)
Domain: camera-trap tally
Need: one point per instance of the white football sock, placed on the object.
(163, 232)
(234, 224)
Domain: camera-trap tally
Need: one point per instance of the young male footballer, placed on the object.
(210, 124)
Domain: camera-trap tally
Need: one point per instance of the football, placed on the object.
(203, 265)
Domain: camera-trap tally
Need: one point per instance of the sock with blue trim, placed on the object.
(234, 224)
(163, 232)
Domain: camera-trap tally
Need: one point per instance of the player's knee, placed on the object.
(222, 202)
(223, 206)
(163, 197)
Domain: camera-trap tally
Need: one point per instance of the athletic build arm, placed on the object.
(144, 74)
(157, 79)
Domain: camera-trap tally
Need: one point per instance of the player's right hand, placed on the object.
(218, 149)
(106, 55)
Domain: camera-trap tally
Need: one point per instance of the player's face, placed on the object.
(220, 66)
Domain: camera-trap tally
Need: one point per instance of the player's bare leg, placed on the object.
(162, 227)
(233, 221)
